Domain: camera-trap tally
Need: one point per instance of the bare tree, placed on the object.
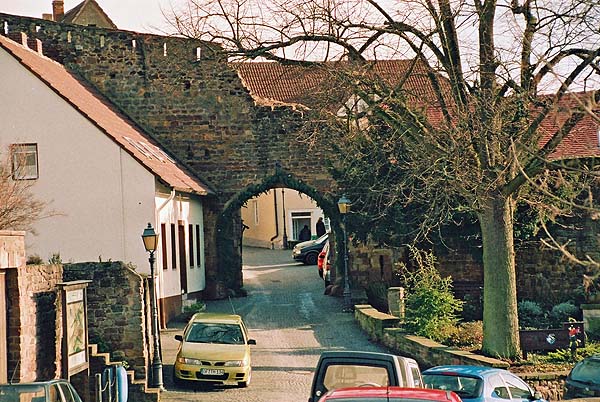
(502, 75)
(19, 209)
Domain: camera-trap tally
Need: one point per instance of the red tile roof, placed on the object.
(271, 83)
(116, 126)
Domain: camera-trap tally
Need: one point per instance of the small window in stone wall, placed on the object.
(5, 27)
(133, 44)
(102, 39)
(165, 49)
(69, 37)
(198, 53)
(173, 246)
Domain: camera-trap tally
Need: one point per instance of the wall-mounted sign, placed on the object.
(75, 330)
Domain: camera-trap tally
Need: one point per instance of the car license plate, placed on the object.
(212, 372)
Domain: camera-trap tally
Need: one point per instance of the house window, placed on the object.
(198, 245)
(24, 161)
(173, 246)
(182, 257)
(163, 244)
(191, 244)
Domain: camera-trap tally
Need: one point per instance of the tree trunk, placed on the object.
(500, 320)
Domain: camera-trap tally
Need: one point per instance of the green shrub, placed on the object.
(562, 312)
(431, 308)
(531, 315)
(194, 308)
(564, 355)
(467, 335)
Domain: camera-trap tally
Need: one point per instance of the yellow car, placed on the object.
(214, 348)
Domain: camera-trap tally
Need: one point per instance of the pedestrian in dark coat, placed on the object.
(320, 227)
(304, 234)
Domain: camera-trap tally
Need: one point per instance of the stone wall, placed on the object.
(34, 322)
(117, 317)
(383, 328)
(543, 275)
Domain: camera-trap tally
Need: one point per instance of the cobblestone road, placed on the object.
(292, 322)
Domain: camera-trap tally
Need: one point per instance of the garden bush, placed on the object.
(531, 315)
(431, 308)
(562, 313)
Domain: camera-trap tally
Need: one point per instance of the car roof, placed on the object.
(216, 318)
(354, 353)
(474, 371)
(391, 392)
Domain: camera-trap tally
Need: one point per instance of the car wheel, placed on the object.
(311, 259)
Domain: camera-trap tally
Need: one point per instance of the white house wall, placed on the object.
(101, 198)
(187, 211)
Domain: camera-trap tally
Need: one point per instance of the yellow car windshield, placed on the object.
(201, 332)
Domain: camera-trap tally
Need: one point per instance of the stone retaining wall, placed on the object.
(383, 328)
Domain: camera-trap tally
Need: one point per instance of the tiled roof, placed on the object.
(73, 14)
(272, 83)
(583, 140)
(102, 115)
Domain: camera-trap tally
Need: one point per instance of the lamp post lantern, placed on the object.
(150, 239)
(344, 207)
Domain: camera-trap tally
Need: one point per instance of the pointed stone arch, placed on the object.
(228, 231)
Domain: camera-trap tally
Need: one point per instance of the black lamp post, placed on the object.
(150, 239)
(344, 207)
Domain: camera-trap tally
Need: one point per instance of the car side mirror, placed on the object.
(251, 342)
(179, 338)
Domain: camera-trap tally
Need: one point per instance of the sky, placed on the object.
(131, 15)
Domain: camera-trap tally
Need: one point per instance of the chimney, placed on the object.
(58, 10)
(47, 17)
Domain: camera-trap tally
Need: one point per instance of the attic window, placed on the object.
(24, 161)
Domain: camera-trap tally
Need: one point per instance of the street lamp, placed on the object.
(344, 207)
(150, 239)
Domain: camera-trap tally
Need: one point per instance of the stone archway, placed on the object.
(228, 223)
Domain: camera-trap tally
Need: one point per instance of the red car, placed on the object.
(324, 264)
(389, 394)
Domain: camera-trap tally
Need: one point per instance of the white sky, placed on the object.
(131, 15)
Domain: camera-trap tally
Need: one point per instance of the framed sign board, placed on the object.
(75, 356)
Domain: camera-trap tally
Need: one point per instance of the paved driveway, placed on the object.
(292, 322)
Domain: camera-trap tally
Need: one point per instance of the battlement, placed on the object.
(61, 41)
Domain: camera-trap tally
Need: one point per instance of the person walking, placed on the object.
(304, 234)
(320, 227)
